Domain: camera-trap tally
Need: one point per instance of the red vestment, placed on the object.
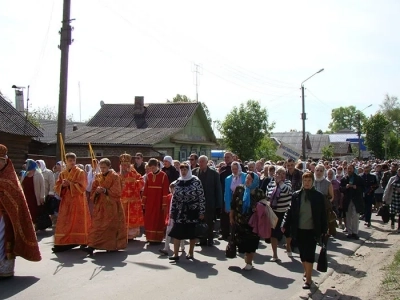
(108, 231)
(132, 183)
(20, 238)
(155, 195)
(73, 221)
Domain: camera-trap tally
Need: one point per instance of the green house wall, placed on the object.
(194, 138)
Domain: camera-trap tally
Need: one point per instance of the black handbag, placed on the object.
(230, 251)
(322, 265)
(43, 220)
(201, 230)
(384, 213)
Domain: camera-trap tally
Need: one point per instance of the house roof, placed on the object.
(341, 148)
(318, 141)
(342, 137)
(292, 138)
(155, 115)
(117, 136)
(12, 121)
(49, 129)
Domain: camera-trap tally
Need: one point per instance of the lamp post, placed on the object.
(303, 114)
(359, 130)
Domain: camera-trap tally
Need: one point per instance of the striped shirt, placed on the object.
(285, 197)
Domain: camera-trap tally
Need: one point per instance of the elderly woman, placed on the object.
(243, 203)
(108, 230)
(187, 208)
(231, 182)
(391, 196)
(337, 204)
(34, 188)
(306, 220)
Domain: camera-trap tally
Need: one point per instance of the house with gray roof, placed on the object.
(16, 132)
(155, 129)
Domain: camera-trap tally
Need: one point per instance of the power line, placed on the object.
(308, 90)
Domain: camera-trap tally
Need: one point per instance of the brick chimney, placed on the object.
(139, 105)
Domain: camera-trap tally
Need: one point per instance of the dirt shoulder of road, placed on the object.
(362, 276)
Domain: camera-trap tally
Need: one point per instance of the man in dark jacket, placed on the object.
(212, 191)
(386, 175)
(352, 186)
(169, 169)
(139, 165)
(370, 185)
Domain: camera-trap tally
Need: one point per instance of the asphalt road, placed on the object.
(140, 272)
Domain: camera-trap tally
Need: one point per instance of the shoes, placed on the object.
(306, 286)
(173, 258)
(88, 250)
(392, 226)
(355, 236)
(289, 254)
(189, 256)
(248, 267)
(369, 225)
(163, 252)
(274, 259)
(349, 236)
(210, 243)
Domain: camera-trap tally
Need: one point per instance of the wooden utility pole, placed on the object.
(65, 42)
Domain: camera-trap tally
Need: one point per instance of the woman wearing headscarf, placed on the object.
(231, 182)
(187, 208)
(306, 220)
(243, 203)
(391, 196)
(337, 196)
(48, 177)
(34, 188)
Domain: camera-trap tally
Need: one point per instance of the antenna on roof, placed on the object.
(101, 103)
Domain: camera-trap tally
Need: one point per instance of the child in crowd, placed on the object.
(169, 222)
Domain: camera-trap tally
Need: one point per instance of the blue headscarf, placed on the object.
(30, 165)
(247, 191)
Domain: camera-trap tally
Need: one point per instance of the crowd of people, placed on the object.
(97, 208)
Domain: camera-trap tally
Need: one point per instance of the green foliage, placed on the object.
(184, 98)
(320, 131)
(327, 151)
(375, 134)
(267, 150)
(392, 145)
(244, 129)
(346, 118)
(44, 113)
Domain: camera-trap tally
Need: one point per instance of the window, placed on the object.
(183, 155)
(98, 153)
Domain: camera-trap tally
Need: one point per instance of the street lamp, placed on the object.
(303, 114)
(359, 130)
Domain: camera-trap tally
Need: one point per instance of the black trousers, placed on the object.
(210, 232)
(225, 224)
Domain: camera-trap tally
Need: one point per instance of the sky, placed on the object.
(259, 50)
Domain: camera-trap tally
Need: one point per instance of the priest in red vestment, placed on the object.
(17, 235)
(131, 185)
(73, 221)
(155, 195)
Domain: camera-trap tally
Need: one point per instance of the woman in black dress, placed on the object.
(307, 221)
(244, 201)
(187, 208)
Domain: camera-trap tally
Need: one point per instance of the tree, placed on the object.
(320, 131)
(184, 98)
(392, 146)
(327, 151)
(374, 128)
(244, 129)
(346, 118)
(44, 113)
(267, 149)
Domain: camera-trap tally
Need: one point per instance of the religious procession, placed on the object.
(98, 209)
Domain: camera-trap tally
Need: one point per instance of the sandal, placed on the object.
(173, 258)
(189, 256)
(306, 286)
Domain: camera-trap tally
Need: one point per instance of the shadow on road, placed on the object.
(201, 269)
(12, 286)
(68, 259)
(262, 277)
(331, 294)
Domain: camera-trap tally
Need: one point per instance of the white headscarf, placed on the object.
(188, 176)
(42, 164)
(239, 169)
